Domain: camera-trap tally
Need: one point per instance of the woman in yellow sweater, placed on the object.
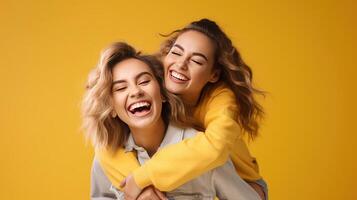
(207, 72)
(150, 118)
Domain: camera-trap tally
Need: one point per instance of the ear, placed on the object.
(215, 75)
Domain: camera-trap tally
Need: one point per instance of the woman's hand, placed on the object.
(258, 189)
(130, 188)
(151, 193)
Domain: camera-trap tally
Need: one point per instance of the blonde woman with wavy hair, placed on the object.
(102, 126)
(205, 69)
(127, 106)
(101, 122)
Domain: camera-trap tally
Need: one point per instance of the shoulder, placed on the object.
(189, 133)
(218, 94)
(220, 99)
(218, 89)
(175, 134)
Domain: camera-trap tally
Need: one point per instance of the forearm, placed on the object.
(118, 165)
(194, 156)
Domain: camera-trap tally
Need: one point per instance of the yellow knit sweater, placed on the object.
(176, 164)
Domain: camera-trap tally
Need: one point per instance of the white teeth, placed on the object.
(138, 105)
(178, 76)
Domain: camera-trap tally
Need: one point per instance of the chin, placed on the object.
(173, 89)
(142, 124)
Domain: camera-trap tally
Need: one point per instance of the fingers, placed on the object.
(149, 193)
(122, 183)
(258, 189)
(160, 194)
(128, 197)
(131, 189)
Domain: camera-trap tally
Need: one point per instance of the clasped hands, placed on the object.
(133, 192)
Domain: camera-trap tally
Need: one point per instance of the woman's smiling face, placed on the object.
(189, 65)
(136, 94)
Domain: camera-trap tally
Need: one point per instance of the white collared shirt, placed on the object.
(222, 181)
(173, 135)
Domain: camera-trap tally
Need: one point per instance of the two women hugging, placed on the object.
(171, 126)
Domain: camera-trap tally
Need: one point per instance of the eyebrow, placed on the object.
(194, 54)
(136, 77)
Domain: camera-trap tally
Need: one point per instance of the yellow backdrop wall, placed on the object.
(302, 53)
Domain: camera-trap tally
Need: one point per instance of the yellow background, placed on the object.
(302, 53)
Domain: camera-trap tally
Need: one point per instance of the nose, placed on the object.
(182, 64)
(136, 92)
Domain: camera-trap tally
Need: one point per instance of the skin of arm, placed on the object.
(151, 193)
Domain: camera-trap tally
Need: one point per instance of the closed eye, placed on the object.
(119, 89)
(195, 61)
(144, 82)
(176, 53)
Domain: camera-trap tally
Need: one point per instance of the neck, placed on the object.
(150, 137)
(190, 101)
(193, 100)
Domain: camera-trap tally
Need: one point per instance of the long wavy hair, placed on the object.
(233, 71)
(99, 125)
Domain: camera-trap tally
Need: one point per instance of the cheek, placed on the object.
(166, 63)
(196, 73)
(200, 77)
(118, 103)
(158, 102)
(169, 59)
(156, 93)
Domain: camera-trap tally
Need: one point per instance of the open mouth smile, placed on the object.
(140, 108)
(178, 77)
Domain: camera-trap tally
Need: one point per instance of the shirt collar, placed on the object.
(130, 144)
(173, 135)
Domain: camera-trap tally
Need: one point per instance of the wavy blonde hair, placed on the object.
(233, 71)
(99, 125)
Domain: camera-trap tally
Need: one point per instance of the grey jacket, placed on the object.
(222, 181)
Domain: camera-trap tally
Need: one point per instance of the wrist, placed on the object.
(141, 177)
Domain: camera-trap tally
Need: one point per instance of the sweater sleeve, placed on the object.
(117, 165)
(176, 164)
